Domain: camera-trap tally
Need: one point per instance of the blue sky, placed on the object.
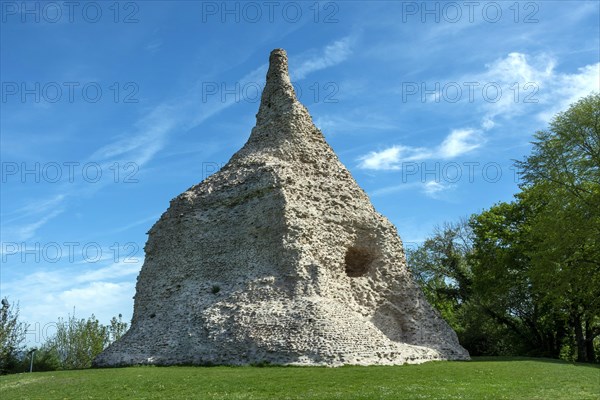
(110, 110)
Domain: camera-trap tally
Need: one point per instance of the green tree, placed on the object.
(561, 182)
(12, 336)
(530, 281)
(78, 341)
(505, 285)
(45, 359)
(440, 267)
(536, 261)
(117, 328)
(478, 303)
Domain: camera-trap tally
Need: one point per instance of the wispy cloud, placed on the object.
(331, 55)
(526, 84)
(384, 159)
(86, 298)
(154, 46)
(389, 159)
(80, 301)
(52, 293)
(218, 104)
(457, 143)
(133, 224)
(431, 189)
(349, 123)
(531, 84)
(23, 223)
(110, 272)
(43, 205)
(79, 273)
(149, 137)
(566, 89)
(28, 231)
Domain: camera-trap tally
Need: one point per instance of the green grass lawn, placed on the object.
(482, 378)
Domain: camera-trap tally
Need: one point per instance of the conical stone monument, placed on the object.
(279, 257)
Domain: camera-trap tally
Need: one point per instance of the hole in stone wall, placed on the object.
(358, 260)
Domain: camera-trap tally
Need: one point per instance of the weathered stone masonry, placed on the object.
(279, 257)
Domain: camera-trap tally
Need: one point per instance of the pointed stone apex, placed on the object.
(278, 62)
(278, 97)
(278, 69)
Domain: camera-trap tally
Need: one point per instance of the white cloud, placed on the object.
(531, 84)
(394, 188)
(25, 232)
(149, 138)
(457, 143)
(385, 159)
(38, 212)
(32, 208)
(154, 46)
(343, 124)
(566, 89)
(113, 271)
(487, 123)
(513, 83)
(331, 55)
(56, 279)
(103, 299)
(146, 220)
(520, 84)
(45, 295)
(432, 189)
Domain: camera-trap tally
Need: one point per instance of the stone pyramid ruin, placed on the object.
(279, 258)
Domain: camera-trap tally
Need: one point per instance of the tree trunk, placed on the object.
(579, 338)
(560, 336)
(589, 341)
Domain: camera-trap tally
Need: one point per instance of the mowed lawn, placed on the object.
(482, 378)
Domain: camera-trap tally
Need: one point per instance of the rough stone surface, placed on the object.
(279, 257)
